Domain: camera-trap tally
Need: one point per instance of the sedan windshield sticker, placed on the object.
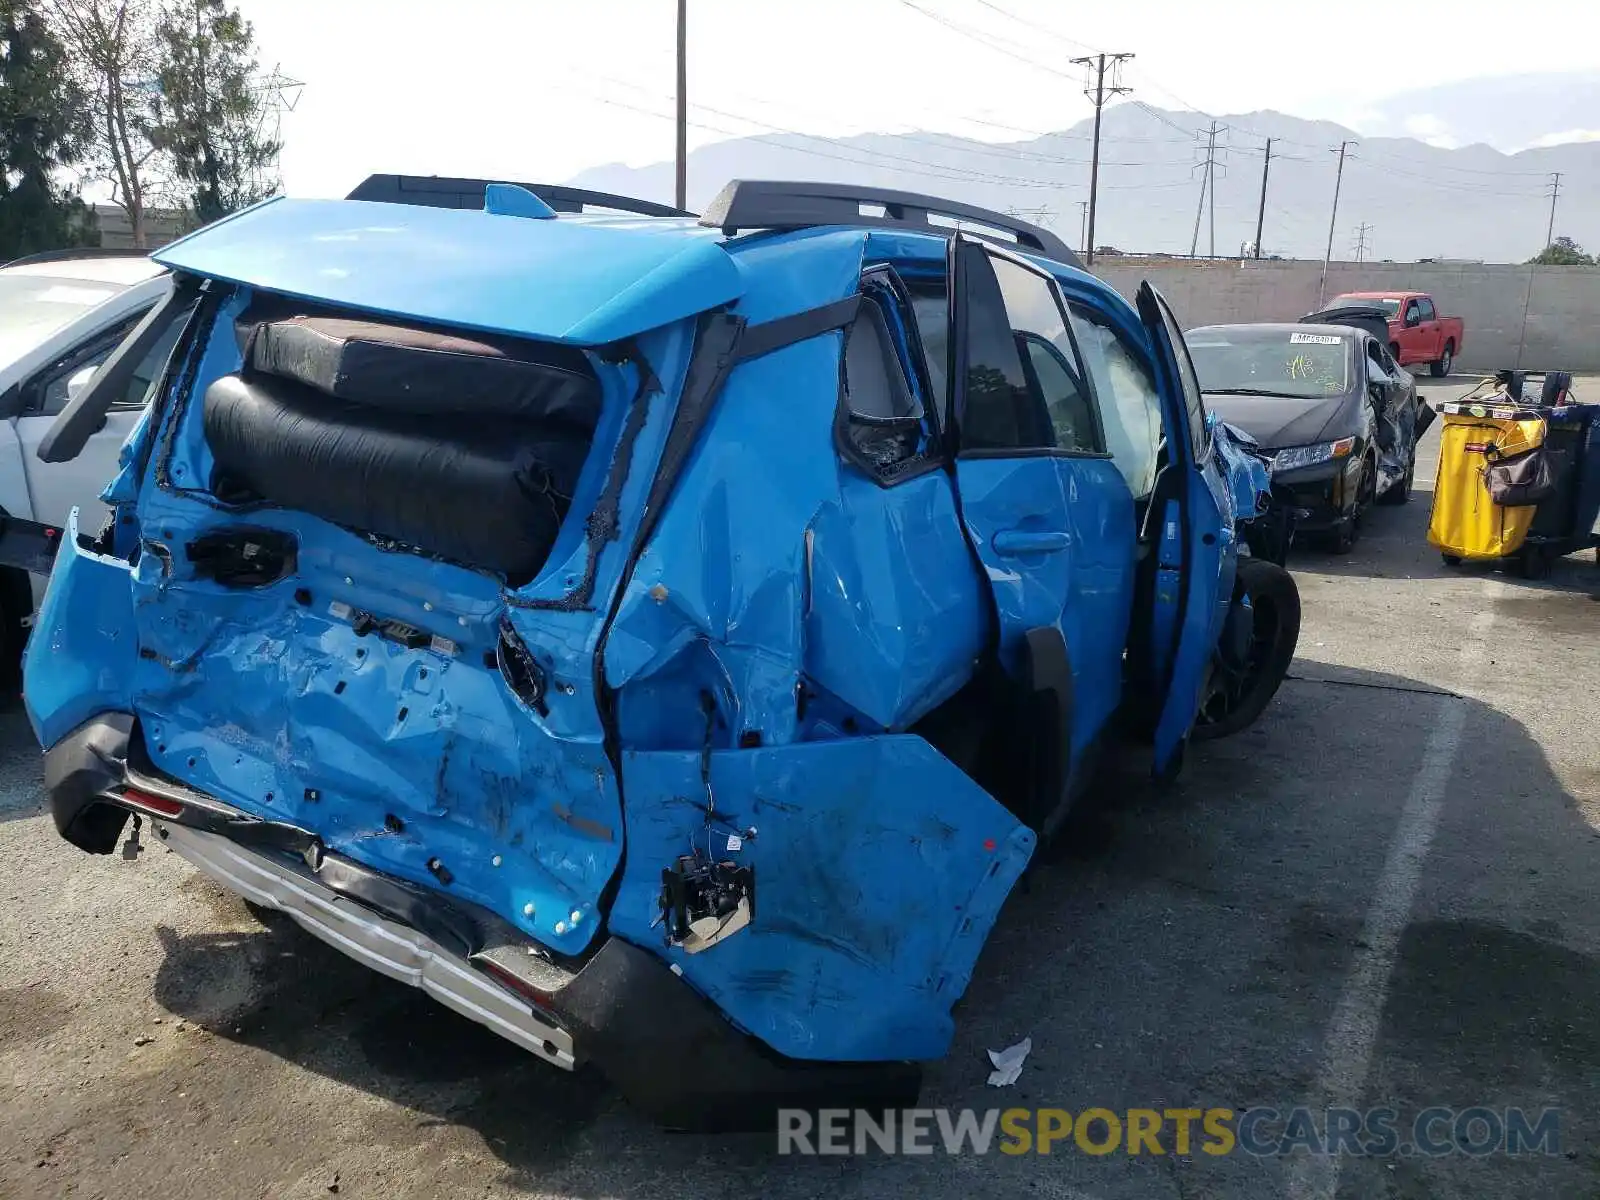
(1314, 339)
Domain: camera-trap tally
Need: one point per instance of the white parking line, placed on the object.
(1353, 1032)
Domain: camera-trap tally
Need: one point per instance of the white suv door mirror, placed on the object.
(79, 381)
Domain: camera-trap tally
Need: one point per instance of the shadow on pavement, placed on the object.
(1187, 944)
(1394, 545)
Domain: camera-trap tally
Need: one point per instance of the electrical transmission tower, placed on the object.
(1043, 215)
(277, 94)
(1099, 92)
(1362, 230)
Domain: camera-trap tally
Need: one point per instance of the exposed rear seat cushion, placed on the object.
(490, 491)
(405, 368)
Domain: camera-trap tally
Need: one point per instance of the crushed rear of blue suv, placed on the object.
(663, 640)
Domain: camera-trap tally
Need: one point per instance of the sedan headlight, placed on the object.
(1296, 457)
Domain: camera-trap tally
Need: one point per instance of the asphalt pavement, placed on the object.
(1383, 895)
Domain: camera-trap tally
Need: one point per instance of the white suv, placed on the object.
(61, 316)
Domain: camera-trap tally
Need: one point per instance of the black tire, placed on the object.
(1534, 563)
(16, 602)
(1440, 367)
(1275, 601)
(1451, 560)
(1555, 383)
(1342, 538)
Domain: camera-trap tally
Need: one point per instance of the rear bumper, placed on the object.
(670, 1052)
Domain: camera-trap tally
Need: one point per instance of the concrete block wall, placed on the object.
(1563, 305)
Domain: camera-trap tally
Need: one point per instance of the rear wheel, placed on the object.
(1440, 367)
(1243, 693)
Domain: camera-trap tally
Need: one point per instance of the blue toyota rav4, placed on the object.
(663, 640)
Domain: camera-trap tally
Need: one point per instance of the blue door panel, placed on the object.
(872, 894)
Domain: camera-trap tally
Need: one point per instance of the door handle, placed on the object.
(1011, 542)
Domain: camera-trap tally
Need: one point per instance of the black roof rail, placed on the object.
(50, 256)
(771, 204)
(437, 191)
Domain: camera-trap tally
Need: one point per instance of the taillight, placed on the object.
(159, 805)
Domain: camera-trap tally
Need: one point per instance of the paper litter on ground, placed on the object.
(1008, 1063)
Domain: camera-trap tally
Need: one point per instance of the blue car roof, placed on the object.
(582, 280)
(586, 281)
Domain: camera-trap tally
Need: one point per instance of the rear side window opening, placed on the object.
(460, 446)
(885, 424)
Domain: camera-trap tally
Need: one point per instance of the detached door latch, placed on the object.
(704, 902)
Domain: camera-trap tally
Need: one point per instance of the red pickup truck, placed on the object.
(1417, 333)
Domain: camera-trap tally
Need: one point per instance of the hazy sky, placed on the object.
(540, 89)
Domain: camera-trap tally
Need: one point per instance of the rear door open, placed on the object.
(1193, 544)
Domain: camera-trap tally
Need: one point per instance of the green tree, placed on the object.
(111, 49)
(44, 127)
(1563, 252)
(211, 113)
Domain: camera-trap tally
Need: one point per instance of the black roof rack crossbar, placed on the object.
(770, 204)
(50, 256)
(437, 191)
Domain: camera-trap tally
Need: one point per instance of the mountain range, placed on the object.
(1400, 197)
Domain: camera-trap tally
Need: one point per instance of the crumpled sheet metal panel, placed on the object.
(413, 762)
(1393, 432)
(81, 659)
(1249, 475)
(879, 871)
(260, 694)
(727, 563)
(895, 619)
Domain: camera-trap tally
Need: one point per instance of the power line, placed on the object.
(982, 38)
(1098, 99)
(1034, 25)
(1464, 170)
(908, 165)
(1448, 185)
(930, 169)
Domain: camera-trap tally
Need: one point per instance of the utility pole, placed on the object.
(682, 193)
(1555, 190)
(1208, 183)
(1083, 226)
(1322, 286)
(1361, 240)
(1096, 67)
(1211, 205)
(1261, 210)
